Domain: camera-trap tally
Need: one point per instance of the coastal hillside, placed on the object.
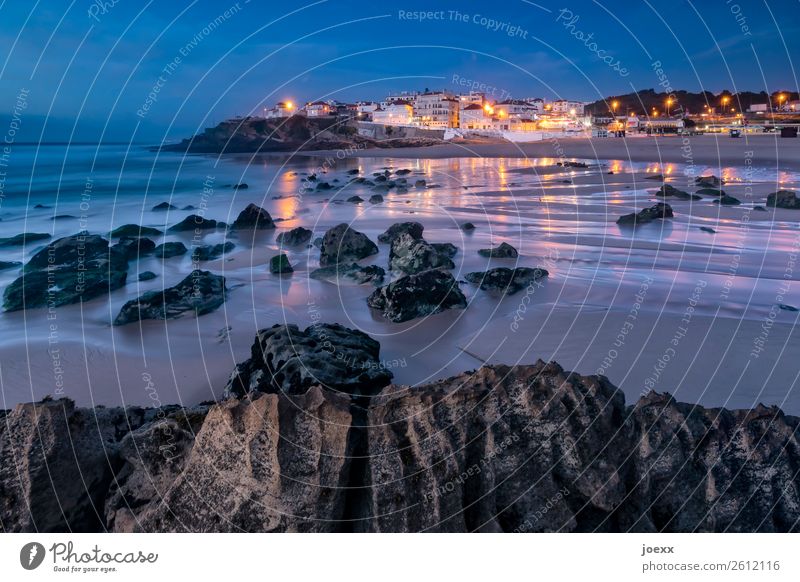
(502, 449)
(296, 133)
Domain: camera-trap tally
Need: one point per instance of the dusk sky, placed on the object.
(97, 62)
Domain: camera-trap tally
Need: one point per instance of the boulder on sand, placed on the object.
(295, 237)
(285, 359)
(660, 210)
(253, 218)
(726, 200)
(411, 255)
(667, 191)
(209, 252)
(783, 199)
(412, 228)
(164, 206)
(69, 270)
(133, 247)
(503, 251)
(418, 295)
(193, 222)
(342, 243)
(170, 249)
(280, 264)
(504, 280)
(134, 230)
(708, 181)
(23, 239)
(201, 292)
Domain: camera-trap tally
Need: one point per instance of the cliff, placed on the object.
(501, 449)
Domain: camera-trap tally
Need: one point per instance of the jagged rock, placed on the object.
(375, 199)
(285, 359)
(420, 184)
(449, 250)
(134, 230)
(168, 250)
(726, 200)
(147, 276)
(193, 222)
(418, 295)
(708, 181)
(201, 292)
(280, 264)
(240, 186)
(324, 186)
(342, 243)
(403, 172)
(659, 210)
(209, 252)
(355, 199)
(467, 226)
(670, 191)
(9, 265)
(783, 199)
(414, 229)
(503, 251)
(133, 248)
(506, 281)
(369, 274)
(41, 206)
(411, 255)
(23, 239)
(69, 270)
(295, 237)
(253, 218)
(164, 206)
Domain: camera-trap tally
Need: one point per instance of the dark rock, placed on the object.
(280, 264)
(411, 255)
(570, 164)
(23, 239)
(403, 172)
(669, 191)
(4, 265)
(352, 172)
(728, 201)
(241, 186)
(783, 199)
(69, 270)
(318, 242)
(708, 229)
(189, 207)
(286, 360)
(369, 274)
(660, 210)
(467, 226)
(295, 237)
(655, 177)
(381, 178)
(133, 248)
(342, 243)
(418, 295)
(63, 217)
(168, 250)
(375, 199)
(253, 218)
(147, 276)
(134, 230)
(200, 292)
(711, 192)
(708, 181)
(420, 184)
(41, 206)
(786, 307)
(412, 228)
(210, 252)
(193, 222)
(164, 206)
(355, 199)
(449, 250)
(506, 281)
(503, 251)
(324, 186)
(759, 208)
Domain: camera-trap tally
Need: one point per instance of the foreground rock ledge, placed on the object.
(527, 448)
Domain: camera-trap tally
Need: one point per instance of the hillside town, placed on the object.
(527, 119)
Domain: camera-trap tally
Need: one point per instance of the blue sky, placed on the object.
(90, 69)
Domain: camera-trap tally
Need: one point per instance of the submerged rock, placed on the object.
(134, 248)
(506, 281)
(726, 200)
(286, 360)
(669, 191)
(414, 229)
(418, 295)
(171, 249)
(503, 251)
(467, 226)
(69, 270)
(147, 276)
(253, 218)
(164, 206)
(355, 199)
(660, 210)
(783, 199)
(280, 264)
(375, 199)
(9, 265)
(361, 275)
(193, 222)
(200, 292)
(342, 243)
(209, 252)
(411, 255)
(134, 230)
(23, 239)
(708, 181)
(295, 237)
(711, 192)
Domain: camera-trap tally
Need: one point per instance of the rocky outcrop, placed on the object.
(667, 191)
(287, 359)
(133, 248)
(253, 218)
(342, 243)
(170, 249)
(210, 252)
(413, 255)
(783, 199)
(69, 270)
(23, 239)
(200, 292)
(134, 230)
(193, 222)
(295, 237)
(502, 449)
(280, 264)
(505, 281)
(726, 200)
(162, 206)
(502, 251)
(355, 272)
(419, 295)
(413, 229)
(660, 210)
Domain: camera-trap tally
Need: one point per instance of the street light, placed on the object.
(614, 105)
(781, 99)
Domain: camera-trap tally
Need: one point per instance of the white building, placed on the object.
(537, 103)
(564, 107)
(281, 109)
(472, 98)
(319, 109)
(396, 113)
(514, 108)
(474, 116)
(437, 109)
